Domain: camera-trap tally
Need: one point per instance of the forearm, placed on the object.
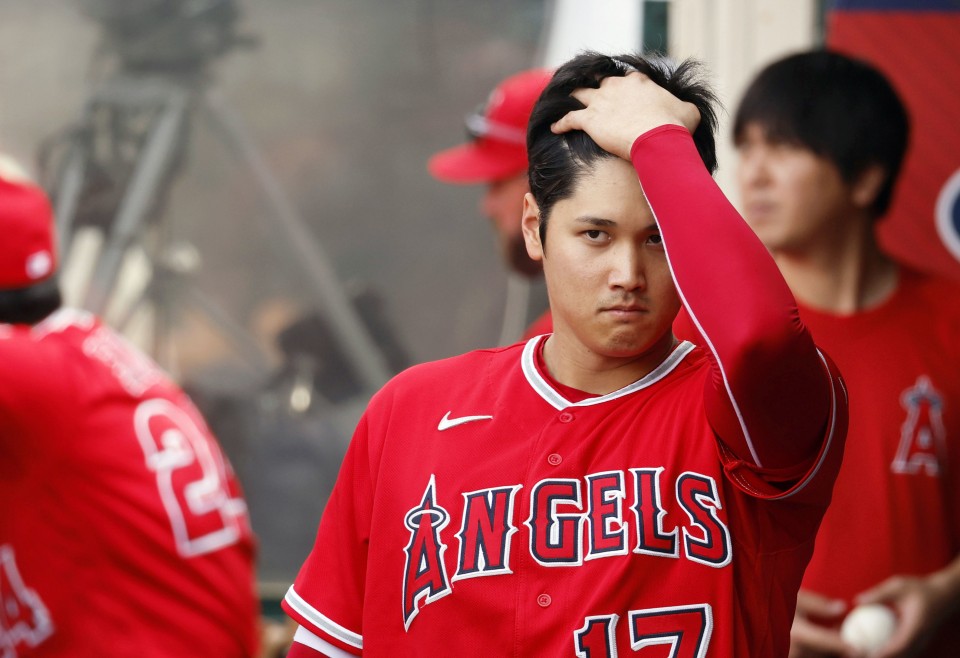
(946, 585)
(768, 370)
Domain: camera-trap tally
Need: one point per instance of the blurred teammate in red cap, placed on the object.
(497, 157)
(123, 531)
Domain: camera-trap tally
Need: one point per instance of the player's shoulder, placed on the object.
(31, 341)
(926, 306)
(461, 365)
(922, 280)
(38, 362)
(934, 291)
(451, 373)
(55, 324)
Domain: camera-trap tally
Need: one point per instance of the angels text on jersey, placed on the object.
(608, 514)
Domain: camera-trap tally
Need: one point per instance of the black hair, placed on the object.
(838, 107)
(30, 304)
(558, 161)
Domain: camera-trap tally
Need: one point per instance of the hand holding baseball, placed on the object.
(919, 605)
(868, 627)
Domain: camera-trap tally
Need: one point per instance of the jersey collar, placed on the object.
(546, 390)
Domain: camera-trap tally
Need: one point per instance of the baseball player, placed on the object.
(821, 138)
(603, 489)
(496, 156)
(123, 531)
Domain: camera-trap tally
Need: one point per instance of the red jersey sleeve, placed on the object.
(775, 403)
(327, 596)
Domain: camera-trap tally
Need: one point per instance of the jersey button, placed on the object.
(565, 417)
(554, 459)
(544, 600)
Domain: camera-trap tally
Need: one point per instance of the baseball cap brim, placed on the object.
(480, 161)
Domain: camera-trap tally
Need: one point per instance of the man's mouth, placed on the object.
(625, 309)
(759, 209)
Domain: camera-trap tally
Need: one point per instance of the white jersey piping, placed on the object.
(322, 622)
(716, 356)
(543, 388)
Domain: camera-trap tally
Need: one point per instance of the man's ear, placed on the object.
(530, 223)
(867, 185)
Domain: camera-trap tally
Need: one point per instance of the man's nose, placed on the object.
(627, 269)
(753, 169)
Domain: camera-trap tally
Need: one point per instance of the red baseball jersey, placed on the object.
(484, 509)
(123, 531)
(896, 507)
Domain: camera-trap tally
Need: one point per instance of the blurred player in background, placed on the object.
(497, 157)
(603, 488)
(123, 531)
(821, 138)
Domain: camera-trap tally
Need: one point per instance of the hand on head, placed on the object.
(623, 108)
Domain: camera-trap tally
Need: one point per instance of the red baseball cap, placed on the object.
(27, 251)
(498, 149)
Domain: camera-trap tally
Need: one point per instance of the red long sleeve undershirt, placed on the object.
(769, 397)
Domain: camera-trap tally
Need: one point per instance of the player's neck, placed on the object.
(840, 276)
(570, 363)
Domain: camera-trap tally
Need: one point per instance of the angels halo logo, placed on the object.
(948, 214)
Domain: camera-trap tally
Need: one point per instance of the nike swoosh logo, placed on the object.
(447, 422)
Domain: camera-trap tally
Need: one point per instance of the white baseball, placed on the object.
(868, 627)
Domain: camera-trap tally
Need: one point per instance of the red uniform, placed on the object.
(122, 528)
(896, 506)
(485, 510)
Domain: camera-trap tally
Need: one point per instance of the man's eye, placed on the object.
(594, 234)
(656, 238)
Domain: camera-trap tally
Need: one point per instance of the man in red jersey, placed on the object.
(496, 156)
(123, 531)
(821, 137)
(604, 489)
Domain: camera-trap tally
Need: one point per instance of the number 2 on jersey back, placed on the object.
(191, 476)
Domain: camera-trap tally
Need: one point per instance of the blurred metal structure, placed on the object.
(113, 173)
(166, 34)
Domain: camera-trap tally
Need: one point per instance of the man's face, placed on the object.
(793, 199)
(503, 204)
(611, 292)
